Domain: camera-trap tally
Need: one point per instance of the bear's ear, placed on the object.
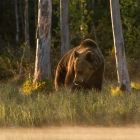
(76, 54)
(89, 55)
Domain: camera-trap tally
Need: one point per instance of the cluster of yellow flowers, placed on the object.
(117, 91)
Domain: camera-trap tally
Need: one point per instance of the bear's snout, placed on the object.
(77, 82)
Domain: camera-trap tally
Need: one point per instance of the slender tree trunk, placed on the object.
(35, 16)
(122, 71)
(42, 62)
(35, 12)
(82, 19)
(17, 22)
(64, 21)
(26, 51)
(92, 1)
(27, 38)
(21, 15)
(95, 35)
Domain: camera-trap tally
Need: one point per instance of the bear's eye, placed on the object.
(79, 72)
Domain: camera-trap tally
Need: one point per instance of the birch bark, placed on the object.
(42, 62)
(122, 71)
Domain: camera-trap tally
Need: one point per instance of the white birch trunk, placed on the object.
(17, 23)
(64, 26)
(122, 71)
(42, 62)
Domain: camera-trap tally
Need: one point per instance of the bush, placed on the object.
(9, 63)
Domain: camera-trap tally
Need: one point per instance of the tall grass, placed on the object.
(65, 108)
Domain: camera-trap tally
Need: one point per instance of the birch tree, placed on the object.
(64, 26)
(122, 71)
(42, 62)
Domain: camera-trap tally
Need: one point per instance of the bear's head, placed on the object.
(83, 67)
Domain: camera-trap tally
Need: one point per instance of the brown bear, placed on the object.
(81, 67)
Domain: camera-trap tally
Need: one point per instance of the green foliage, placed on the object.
(130, 21)
(111, 71)
(110, 68)
(9, 63)
(65, 108)
(134, 68)
(55, 24)
(83, 14)
(102, 21)
(80, 20)
(55, 57)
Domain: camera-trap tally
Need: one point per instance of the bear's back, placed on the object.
(89, 43)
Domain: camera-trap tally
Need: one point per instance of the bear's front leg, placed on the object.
(69, 80)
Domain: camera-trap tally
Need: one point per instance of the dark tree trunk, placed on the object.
(17, 22)
(64, 22)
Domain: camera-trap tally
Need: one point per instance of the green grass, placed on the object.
(65, 108)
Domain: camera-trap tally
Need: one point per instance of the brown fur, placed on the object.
(81, 67)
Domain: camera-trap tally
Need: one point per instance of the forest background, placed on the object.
(88, 19)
